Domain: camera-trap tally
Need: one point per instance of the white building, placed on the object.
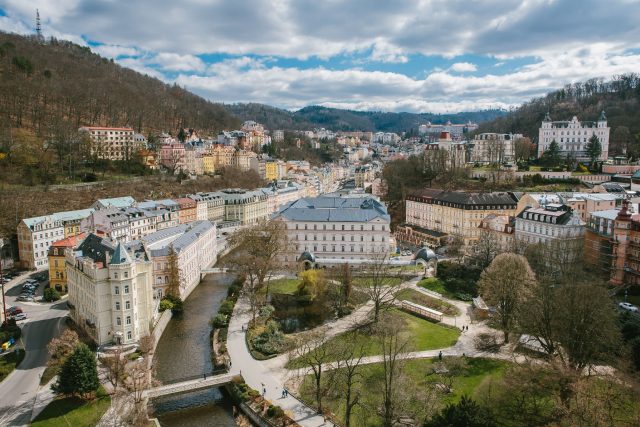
(494, 148)
(113, 143)
(111, 222)
(336, 229)
(549, 223)
(110, 291)
(196, 248)
(35, 235)
(573, 136)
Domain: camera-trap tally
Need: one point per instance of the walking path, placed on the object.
(258, 374)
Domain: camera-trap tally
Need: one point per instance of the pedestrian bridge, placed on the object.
(214, 270)
(201, 383)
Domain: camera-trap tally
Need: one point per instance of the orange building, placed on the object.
(57, 267)
(188, 210)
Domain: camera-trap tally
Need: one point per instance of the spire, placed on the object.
(602, 118)
(120, 255)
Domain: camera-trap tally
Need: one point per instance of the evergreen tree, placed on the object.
(551, 156)
(593, 149)
(174, 273)
(466, 413)
(182, 136)
(79, 374)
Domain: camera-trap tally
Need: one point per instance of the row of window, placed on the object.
(119, 321)
(127, 305)
(343, 227)
(333, 238)
(116, 290)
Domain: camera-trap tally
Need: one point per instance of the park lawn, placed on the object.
(407, 268)
(427, 301)
(434, 284)
(366, 281)
(420, 333)
(477, 371)
(73, 411)
(9, 362)
(283, 286)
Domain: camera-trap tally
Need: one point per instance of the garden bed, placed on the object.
(427, 301)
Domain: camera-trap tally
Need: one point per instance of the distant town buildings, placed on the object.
(457, 131)
(494, 148)
(573, 136)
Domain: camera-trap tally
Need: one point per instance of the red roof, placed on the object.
(70, 242)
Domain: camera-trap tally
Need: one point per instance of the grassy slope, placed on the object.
(72, 411)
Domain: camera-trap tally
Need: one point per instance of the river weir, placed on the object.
(184, 351)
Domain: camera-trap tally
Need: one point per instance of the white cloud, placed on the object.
(463, 67)
(174, 62)
(115, 51)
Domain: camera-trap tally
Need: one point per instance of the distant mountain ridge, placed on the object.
(350, 120)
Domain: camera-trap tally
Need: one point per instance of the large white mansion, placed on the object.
(573, 136)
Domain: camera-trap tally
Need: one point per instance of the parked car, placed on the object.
(25, 298)
(14, 310)
(628, 306)
(20, 316)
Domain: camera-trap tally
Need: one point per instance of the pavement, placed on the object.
(258, 374)
(21, 396)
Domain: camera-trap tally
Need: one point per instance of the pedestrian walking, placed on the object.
(440, 356)
(286, 392)
(204, 376)
(264, 391)
(283, 393)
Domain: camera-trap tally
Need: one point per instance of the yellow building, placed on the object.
(457, 213)
(271, 171)
(208, 164)
(57, 266)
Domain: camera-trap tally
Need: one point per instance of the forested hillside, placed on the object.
(348, 120)
(46, 86)
(618, 97)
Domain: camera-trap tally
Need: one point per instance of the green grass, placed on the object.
(420, 333)
(73, 411)
(48, 374)
(366, 281)
(475, 372)
(407, 269)
(283, 286)
(427, 301)
(434, 284)
(9, 362)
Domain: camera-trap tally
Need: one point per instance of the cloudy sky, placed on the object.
(392, 55)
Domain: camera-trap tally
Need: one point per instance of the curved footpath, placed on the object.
(259, 374)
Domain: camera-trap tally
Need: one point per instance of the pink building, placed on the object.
(172, 156)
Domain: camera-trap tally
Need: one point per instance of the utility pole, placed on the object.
(4, 306)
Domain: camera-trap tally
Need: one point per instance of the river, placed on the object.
(184, 351)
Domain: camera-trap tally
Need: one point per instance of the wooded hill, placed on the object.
(53, 84)
(348, 120)
(619, 97)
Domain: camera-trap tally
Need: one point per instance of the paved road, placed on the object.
(18, 390)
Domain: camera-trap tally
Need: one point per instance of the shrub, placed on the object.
(270, 341)
(274, 411)
(226, 307)
(176, 304)
(635, 352)
(487, 342)
(220, 320)
(165, 304)
(266, 311)
(50, 294)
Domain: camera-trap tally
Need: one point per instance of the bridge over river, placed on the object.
(190, 385)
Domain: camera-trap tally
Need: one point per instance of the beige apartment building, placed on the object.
(113, 143)
(245, 206)
(457, 213)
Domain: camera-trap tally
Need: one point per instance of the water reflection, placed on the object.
(184, 351)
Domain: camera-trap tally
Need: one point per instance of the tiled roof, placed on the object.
(59, 216)
(180, 237)
(116, 202)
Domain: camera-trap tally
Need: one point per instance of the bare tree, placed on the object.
(313, 353)
(380, 287)
(522, 149)
(256, 255)
(486, 249)
(350, 352)
(505, 284)
(175, 281)
(392, 346)
(114, 364)
(455, 247)
(137, 379)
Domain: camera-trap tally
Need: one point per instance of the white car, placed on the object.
(20, 316)
(629, 307)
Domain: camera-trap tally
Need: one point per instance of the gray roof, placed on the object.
(120, 255)
(336, 209)
(180, 237)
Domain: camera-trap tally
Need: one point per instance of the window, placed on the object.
(128, 335)
(342, 227)
(126, 289)
(116, 290)
(128, 321)
(117, 305)
(126, 274)
(127, 305)
(118, 321)
(115, 275)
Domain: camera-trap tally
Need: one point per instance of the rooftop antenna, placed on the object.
(38, 26)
